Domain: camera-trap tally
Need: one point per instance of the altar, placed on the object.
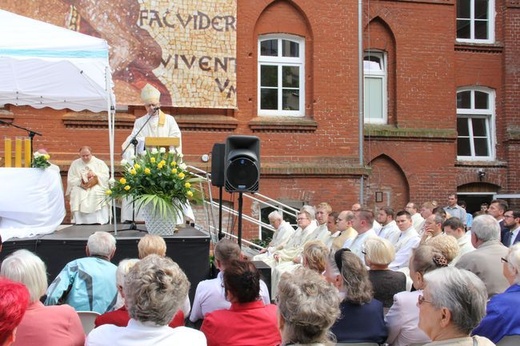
(31, 202)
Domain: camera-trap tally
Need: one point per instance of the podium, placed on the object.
(162, 142)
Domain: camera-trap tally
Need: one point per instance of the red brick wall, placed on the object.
(316, 159)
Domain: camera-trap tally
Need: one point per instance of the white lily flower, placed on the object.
(154, 151)
(111, 181)
(162, 150)
(183, 166)
(124, 162)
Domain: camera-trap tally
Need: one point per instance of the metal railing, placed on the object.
(207, 219)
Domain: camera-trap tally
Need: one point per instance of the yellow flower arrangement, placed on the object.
(150, 179)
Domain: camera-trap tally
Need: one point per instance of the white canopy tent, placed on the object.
(43, 65)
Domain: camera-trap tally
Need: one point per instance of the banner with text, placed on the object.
(185, 48)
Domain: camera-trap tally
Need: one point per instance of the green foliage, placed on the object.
(157, 178)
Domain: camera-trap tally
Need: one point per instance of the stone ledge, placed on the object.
(282, 124)
(513, 133)
(389, 132)
(492, 48)
(206, 122)
(89, 119)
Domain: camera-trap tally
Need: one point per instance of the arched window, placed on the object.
(281, 89)
(375, 98)
(475, 124)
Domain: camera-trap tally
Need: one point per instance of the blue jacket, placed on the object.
(92, 283)
(503, 316)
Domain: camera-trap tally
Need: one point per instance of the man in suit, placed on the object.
(486, 261)
(497, 208)
(512, 223)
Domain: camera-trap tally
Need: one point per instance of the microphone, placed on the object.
(156, 108)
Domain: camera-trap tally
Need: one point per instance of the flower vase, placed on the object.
(155, 224)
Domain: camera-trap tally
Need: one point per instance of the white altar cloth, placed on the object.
(31, 202)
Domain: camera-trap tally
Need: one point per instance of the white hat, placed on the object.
(150, 95)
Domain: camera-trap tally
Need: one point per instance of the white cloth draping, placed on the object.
(31, 202)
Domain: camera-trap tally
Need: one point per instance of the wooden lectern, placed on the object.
(162, 142)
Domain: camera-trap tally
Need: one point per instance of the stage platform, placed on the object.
(189, 247)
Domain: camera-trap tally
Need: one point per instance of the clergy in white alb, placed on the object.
(87, 182)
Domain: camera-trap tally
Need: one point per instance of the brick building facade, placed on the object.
(441, 103)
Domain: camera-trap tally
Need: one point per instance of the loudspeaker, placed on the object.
(217, 164)
(242, 164)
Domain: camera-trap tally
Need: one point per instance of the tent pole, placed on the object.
(111, 131)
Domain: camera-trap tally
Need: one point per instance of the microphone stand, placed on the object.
(31, 135)
(134, 141)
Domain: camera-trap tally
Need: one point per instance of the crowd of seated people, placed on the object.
(326, 296)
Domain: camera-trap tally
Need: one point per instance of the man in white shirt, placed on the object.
(417, 219)
(454, 227)
(362, 223)
(389, 229)
(408, 240)
(322, 216)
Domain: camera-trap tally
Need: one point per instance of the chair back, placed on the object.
(510, 340)
(87, 319)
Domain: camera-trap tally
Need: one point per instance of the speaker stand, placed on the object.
(240, 219)
(220, 235)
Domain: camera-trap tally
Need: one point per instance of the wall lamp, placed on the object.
(481, 174)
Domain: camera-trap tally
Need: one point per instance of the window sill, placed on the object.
(96, 120)
(479, 47)
(481, 163)
(282, 124)
(390, 132)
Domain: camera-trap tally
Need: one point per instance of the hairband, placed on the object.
(440, 260)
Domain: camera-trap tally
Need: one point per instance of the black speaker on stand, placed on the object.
(217, 177)
(242, 169)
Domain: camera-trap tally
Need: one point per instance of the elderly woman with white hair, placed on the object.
(41, 325)
(502, 314)
(155, 288)
(379, 253)
(307, 307)
(452, 304)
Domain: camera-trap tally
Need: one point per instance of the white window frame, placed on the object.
(472, 113)
(380, 75)
(282, 61)
(490, 27)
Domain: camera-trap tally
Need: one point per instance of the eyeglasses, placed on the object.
(504, 260)
(421, 300)
(338, 219)
(509, 216)
(301, 218)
